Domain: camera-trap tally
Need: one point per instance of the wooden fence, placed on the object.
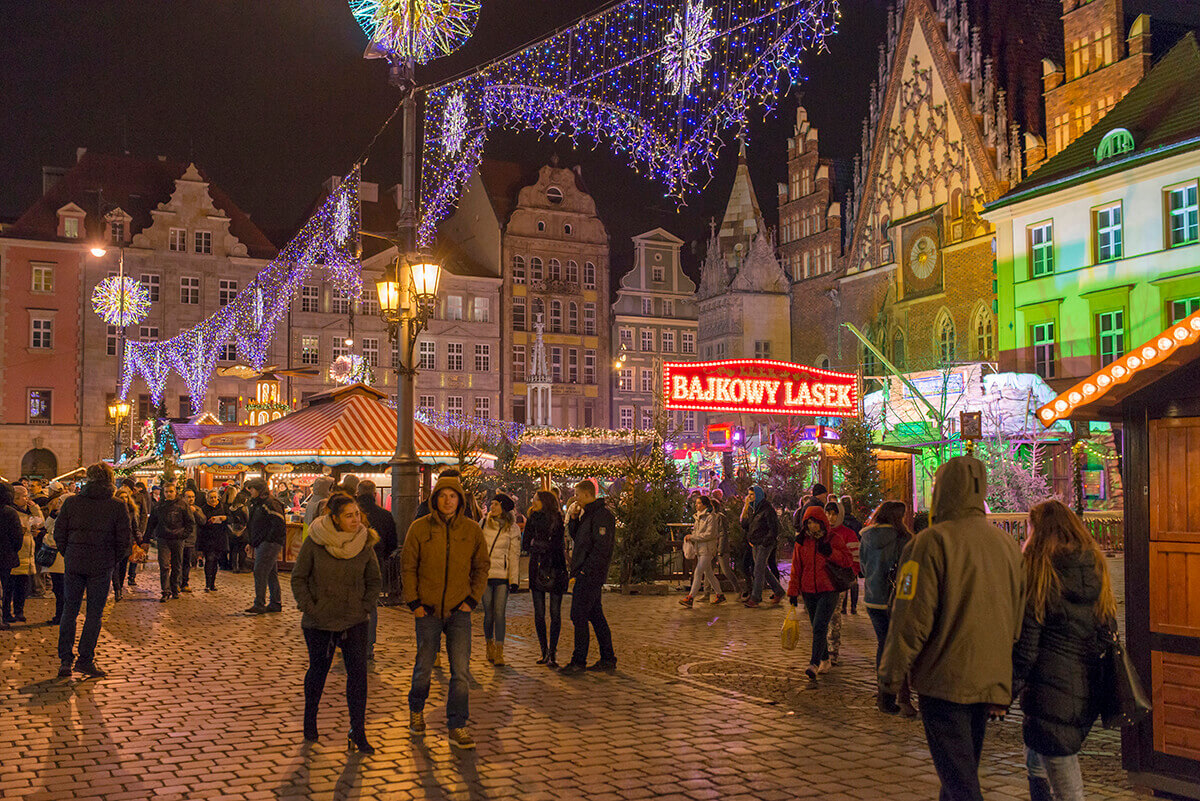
(1107, 527)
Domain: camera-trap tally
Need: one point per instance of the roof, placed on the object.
(503, 180)
(137, 185)
(1162, 112)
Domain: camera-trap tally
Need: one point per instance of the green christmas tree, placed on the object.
(860, 471)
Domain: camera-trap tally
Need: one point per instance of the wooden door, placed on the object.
(1174, 585)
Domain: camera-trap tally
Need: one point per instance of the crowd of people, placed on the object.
(963, 619)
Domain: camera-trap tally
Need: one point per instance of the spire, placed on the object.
(742, 212)
(538, 404)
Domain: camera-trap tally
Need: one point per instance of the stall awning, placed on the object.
(1099, 396)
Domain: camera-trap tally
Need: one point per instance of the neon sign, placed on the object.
(759, 386)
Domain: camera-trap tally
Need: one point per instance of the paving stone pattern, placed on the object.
(204, 702)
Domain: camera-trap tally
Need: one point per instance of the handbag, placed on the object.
(138, 554)
(842, 578)
(45, 555)
(1123, 700)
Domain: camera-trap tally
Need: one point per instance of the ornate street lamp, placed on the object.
(118, 410)
(407, 300)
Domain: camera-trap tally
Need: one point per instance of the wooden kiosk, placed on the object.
(1154, 392)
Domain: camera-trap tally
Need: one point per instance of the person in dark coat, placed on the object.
(12, 535)
(1056, 661)
(212, 537)
(545, 540)
(593, 532)
(267, 530)
(125, 496)
(172, 522)
(761, 524)
(380, 521)
(93, 532)
(235, 505)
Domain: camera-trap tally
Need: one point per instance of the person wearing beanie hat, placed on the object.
(816, 546)
(267, 531)
(503, 538)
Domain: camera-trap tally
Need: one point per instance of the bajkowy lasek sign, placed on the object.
(759, 386)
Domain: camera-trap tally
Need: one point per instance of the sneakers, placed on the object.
(416, 722)
(64, 669)
(775, 599)
(603, 666)
(687, 602)
(750, 603)
(274, 607)
(185, 589)
(90, 670)
(257, 610)
(720, 599)
(823, 667)
(461, 738)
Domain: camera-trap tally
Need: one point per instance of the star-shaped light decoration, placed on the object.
(121, 301)
(688, 46)
(454, 122)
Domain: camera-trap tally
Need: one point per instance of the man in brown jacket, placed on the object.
(444, 571)
(957, 613)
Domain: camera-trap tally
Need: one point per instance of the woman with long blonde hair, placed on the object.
(1056, 662)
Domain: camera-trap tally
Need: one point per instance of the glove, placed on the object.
(513, 587)
(824, 548)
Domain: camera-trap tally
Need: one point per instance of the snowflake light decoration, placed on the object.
(120, 301)
(688, 46)
(421, 30)
(454, 122)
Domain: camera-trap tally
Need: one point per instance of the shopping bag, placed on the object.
(790, 634)
(689, 550)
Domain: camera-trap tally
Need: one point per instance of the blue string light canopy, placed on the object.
(661, 81)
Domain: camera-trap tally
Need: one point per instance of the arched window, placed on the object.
(572, 272)
(589, 275)
(956, 204)
(985, 331)
(556, 316)
(944, 337)
(870, 368)
(541, 225)
(567, 229)
(898, 348)
(573, 318)
(518, 269)
(39, 463)
(535, 269)
(555, 270)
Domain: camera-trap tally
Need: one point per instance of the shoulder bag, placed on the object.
(1123, 700)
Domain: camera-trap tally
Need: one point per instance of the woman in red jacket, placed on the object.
(814, 547)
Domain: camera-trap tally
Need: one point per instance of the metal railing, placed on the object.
(1107, 527)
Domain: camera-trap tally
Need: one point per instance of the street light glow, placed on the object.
(98, 251)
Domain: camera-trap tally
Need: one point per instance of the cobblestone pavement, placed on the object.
(204, 702)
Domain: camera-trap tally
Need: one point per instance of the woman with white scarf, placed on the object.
(503, 539)
(336, 583)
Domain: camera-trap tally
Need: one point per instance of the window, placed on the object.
(116, 232)
(647, 380)
(42, 333)
(518, 363)
(454, 356)
(567, 229)
(229, 351)
(898, 348)
(71, 227)
(1041, 249)
(589, 275)
(454, 405)
(647, 419)
(426, 355)
(185, 405)
(572, 272)
(555, 270)
(1108, 233)
(541, 225)
(110, 345)
(1042, 337)
(687, 342)
(227, 410)
(203, 242)
(1184, 307)
(483, 407)
(43, 278)
(1183, 227)
(310, 298)
(719, 349)
(589, 319)
(668, 341)
(341, 302)
(145, 410)
(625, 380)
(762, 349)
(518, 269)
(946, 345)
(177, 240)
(310, 350)
(626, 417)
(589, 366)
(370, 302)
(573, 317)
(39, 406)
(426, 403)
(627, 338)
(226, 291)
(556, 315)
(554, 195)
(647, 307)
(483, 358)
(482, 311)
(556, 364)
(370, 351)
(189, 290)
(985, 335)
(1110, 329)
(454, 307)
(535, 269)
(340, 348)
(573, 365)
(518, 314)
(647, 340)
(668, 308)
(656, 273)
(689, 422)
(151, 283)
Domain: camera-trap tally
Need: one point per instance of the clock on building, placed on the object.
(923, 256)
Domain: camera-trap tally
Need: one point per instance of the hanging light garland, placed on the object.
(417, 30)
(660, 81)
(121, 301)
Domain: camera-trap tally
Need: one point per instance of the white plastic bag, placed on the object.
(689, 550)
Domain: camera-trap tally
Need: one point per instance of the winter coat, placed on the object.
(706, 533)
(239, 516)
(336, 578)
(445, 563)
(546, 542)
(594, 535)
(31, 519)
(320, 492)
(1056, 663)
(959, 599)
(851, 539)
(504, 549)
(198, 520)
(879, 554)
(213, 537)
(761, 524)
(92, 530)
(853, 523)
(266, 522)
(11, 537)
(382, 523)
(810, 555)
(172, 521)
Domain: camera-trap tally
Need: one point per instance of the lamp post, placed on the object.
(406, 303)
(118, 410)
(99, 251)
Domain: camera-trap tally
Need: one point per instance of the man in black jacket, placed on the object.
(93, 533)
(380, 520)
(267, 530)
(172, 522)
(593, 531)
(12, 537)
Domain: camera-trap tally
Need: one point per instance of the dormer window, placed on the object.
(116, 232)
(70, 221)
(554, 195)
(71, 227)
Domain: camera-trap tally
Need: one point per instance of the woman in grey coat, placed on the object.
(336, 582)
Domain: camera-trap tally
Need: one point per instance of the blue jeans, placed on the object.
(1062, 773)
(820, 606)
(458, 647)
(74, 586)
(880, 620)
(495, 599)
(266, 572)
(762, 555)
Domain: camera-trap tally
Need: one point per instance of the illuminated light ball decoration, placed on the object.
(420, 30)
(121, 301)
(662, 82)
(329, 240)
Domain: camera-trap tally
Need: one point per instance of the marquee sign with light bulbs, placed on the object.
(759, 386)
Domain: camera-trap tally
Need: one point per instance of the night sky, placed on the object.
(271, 97)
